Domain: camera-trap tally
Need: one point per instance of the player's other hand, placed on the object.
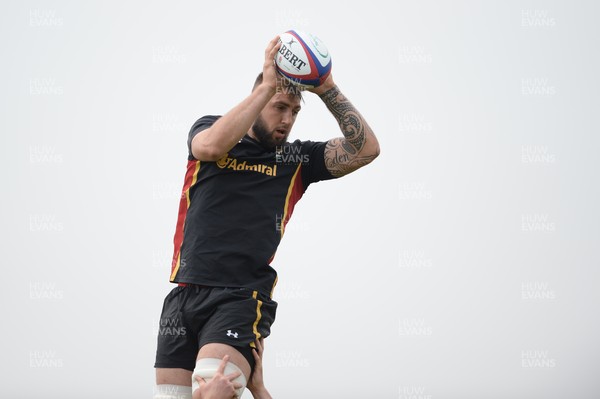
(256, 385)
(220, 386)
(327, 84)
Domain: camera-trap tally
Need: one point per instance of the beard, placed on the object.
(265, 137)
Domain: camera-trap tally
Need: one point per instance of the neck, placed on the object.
(251, 134)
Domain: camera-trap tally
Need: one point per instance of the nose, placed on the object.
(287, 118)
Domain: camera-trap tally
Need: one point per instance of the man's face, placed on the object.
(274, 123)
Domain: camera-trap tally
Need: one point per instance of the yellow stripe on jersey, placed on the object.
(287, 199)
(176, 268)
(194, 180)
(273, 289)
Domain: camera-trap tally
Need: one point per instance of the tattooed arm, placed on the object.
(359, 145)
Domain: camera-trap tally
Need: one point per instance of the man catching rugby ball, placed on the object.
(243, 180)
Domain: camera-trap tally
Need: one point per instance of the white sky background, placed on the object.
(463, 263)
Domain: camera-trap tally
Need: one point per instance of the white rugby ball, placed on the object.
(303, 59)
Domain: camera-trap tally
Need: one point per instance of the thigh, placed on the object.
(177, 344)
(173, 376)
(218, 350)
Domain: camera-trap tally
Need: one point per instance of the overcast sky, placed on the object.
(462, 263)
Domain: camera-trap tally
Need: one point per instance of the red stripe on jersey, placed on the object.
(191, 177)
(294, 194)
(295, 191)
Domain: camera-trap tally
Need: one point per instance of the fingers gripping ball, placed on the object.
(206, 368)
(303, 59)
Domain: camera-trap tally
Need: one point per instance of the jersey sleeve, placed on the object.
(314, 169)
(201, 124)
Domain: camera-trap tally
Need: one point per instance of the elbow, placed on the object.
(204, 147)
(207, 153)
(373, 154)
(376, 151)
(373, 149)
(213, 154)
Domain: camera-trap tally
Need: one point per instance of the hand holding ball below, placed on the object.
(303, 59)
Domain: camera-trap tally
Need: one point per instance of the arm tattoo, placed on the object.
(350, 121)
(339, 161)
(342, 154)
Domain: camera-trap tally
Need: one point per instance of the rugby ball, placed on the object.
(303, 59)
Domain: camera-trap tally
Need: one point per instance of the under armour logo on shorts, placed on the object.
(232, 334)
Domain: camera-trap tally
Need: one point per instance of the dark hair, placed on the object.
(283, 86)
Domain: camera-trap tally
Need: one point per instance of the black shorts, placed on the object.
(193, 316)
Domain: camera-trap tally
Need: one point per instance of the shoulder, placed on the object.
(307, 145)
(204, 122)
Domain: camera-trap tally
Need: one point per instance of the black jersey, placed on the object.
(233, 212)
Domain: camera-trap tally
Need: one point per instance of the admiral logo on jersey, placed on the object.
(226, 162)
